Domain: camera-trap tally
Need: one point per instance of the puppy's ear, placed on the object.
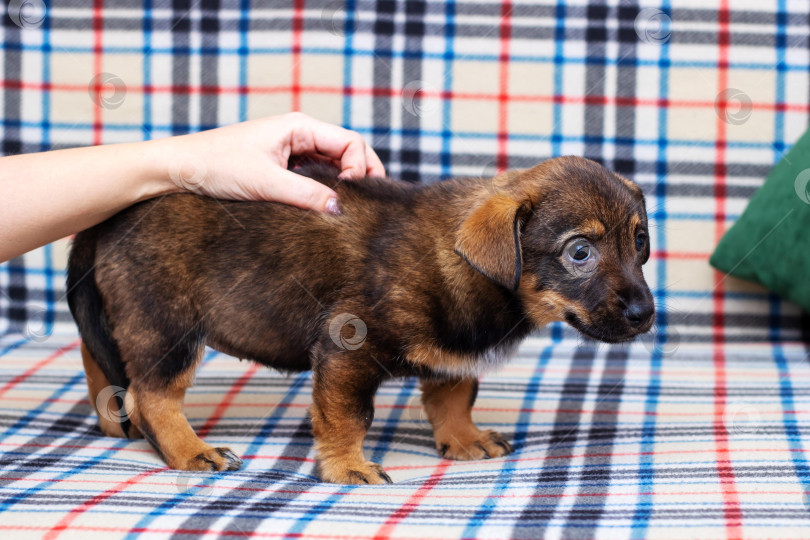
(489, 240)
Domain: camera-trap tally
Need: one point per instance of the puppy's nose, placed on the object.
(638, 313)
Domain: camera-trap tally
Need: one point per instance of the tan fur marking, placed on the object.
(632, 186)
(544, 307)
(594, 228)
(339, 444)
(96, 382)
(173, 435)
(448, 406)
(452, 363)
(506, 179)
(486, 239)
(159, 415)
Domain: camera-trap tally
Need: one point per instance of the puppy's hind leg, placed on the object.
(157, 409)
(108, 401)
(448, 404)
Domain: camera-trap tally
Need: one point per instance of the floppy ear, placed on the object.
(489, 240)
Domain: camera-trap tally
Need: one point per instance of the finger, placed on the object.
(336, 164)
(353, 161)
(303, 192)
(334, 142)
(374, 166)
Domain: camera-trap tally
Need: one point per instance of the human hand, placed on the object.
(248, 161)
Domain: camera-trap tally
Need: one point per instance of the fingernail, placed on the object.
(332, 206)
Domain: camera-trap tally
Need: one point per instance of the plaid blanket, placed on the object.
(698, 430)
(609, 444)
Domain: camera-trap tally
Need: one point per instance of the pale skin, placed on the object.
(50, 195)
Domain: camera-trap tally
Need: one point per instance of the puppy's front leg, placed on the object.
(344, 384)
(448, 404)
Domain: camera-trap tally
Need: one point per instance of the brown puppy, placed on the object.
(438, 281)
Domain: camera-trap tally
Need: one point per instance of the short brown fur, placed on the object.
(437, 281)
(448, 404)
(96, 383)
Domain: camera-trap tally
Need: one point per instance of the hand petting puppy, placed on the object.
(50, 195)
(248, 161)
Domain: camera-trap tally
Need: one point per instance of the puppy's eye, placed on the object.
(579, 251)
(641, 241)
(580, 258)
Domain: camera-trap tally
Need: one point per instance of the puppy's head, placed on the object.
(569, 237)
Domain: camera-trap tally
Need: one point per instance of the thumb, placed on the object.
(303, 192)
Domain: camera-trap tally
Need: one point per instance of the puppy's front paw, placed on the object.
(474, 445)
(211, 459)
(358, 472)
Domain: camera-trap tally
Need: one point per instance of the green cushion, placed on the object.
(770, 243)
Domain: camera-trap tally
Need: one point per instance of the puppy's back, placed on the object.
(177, 262)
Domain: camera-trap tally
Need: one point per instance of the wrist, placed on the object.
(155, 158)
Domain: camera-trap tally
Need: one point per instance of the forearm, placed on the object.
(46, 196)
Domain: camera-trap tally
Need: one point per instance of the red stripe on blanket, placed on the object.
(297, 29)
(227, 400)
(74, 513)
(375, 494)
(663, 254)
(503, 88)
(415, 408)
(98, 33)
(413, 502)
(592, 455)
(39, 365)
(589, 99)
(725, 470)
(239, 533)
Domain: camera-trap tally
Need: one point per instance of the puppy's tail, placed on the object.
(107, 380)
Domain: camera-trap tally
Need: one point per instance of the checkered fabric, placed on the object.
(696, 431)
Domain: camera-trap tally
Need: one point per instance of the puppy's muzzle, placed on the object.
(638, 309)
(638, 314)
